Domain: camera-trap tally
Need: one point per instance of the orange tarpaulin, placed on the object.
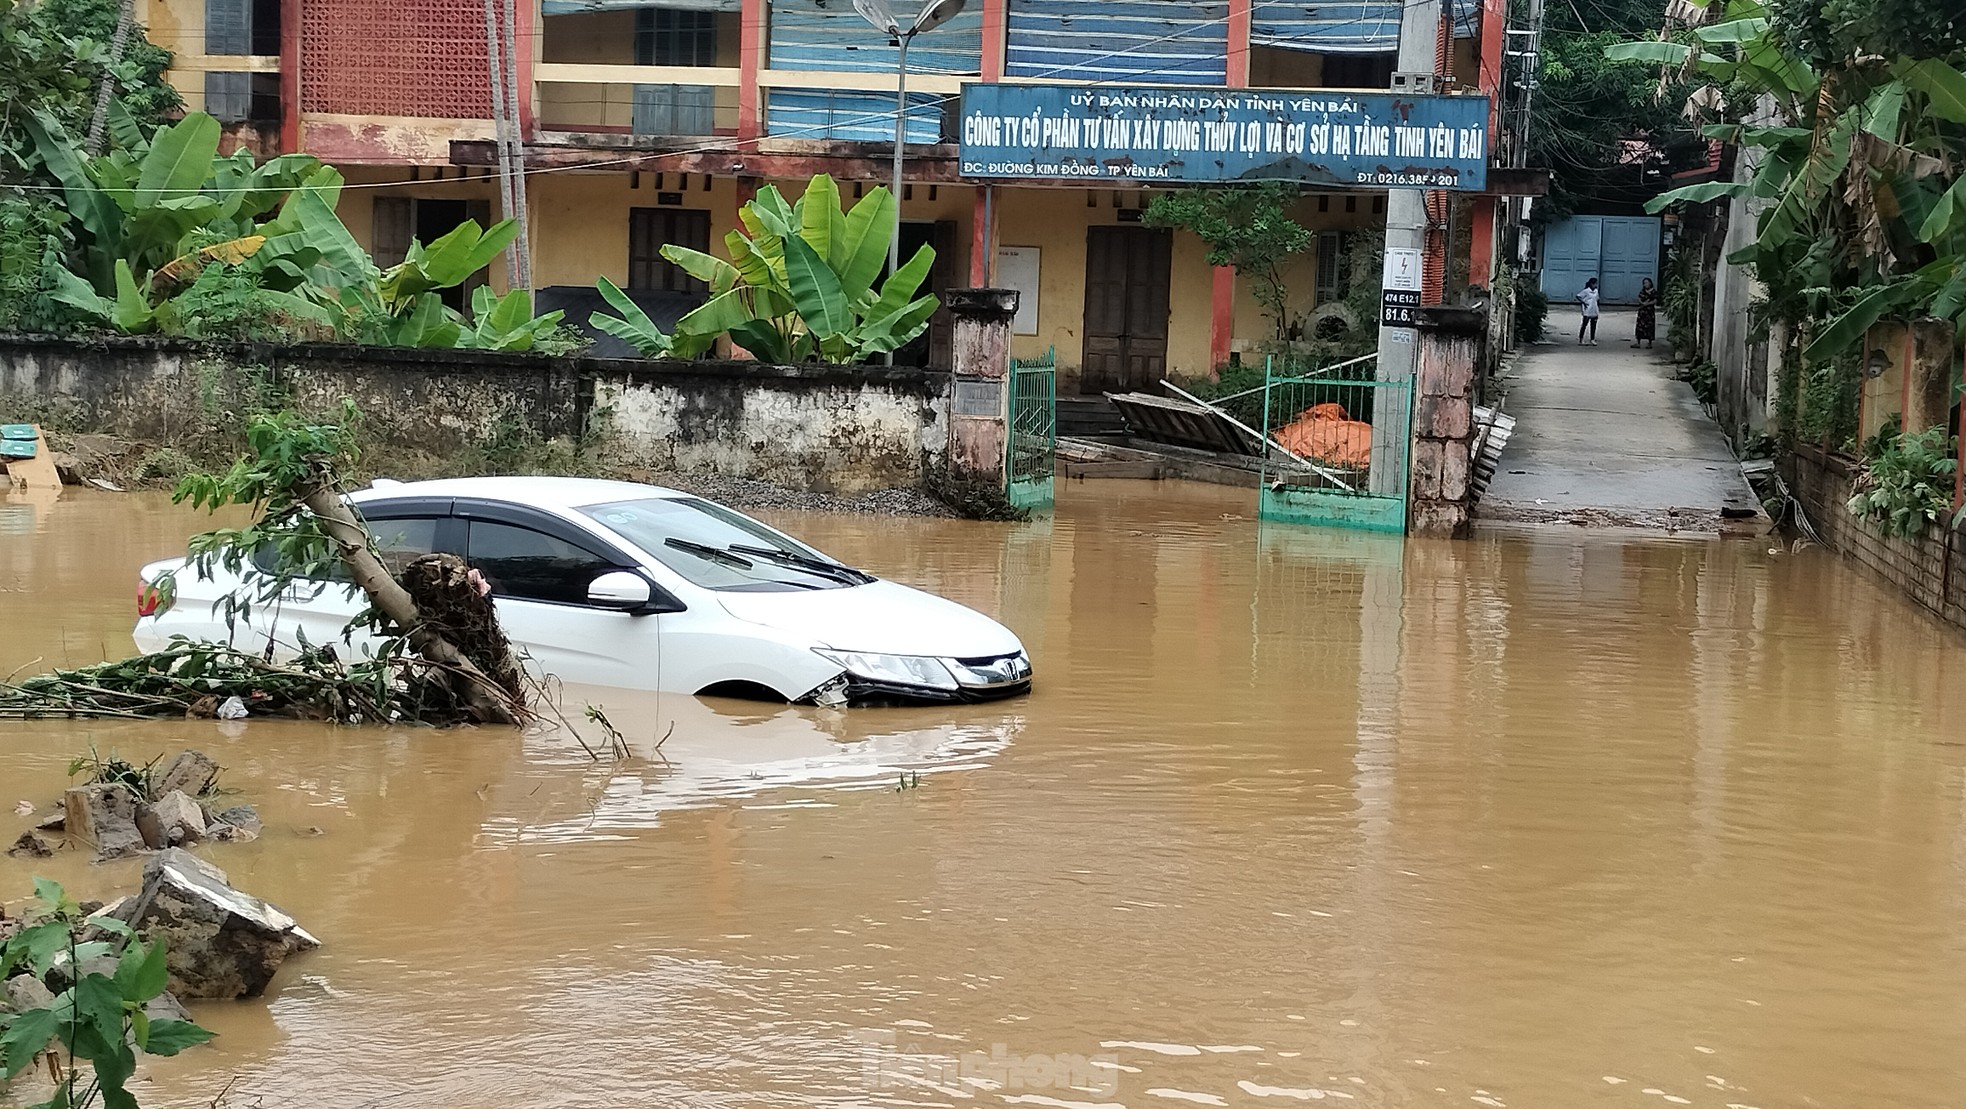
(1326, 433)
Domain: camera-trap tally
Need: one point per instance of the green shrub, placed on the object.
(1907, 480)
(1532, 308)
(1704, 377)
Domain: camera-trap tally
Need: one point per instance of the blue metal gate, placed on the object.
(1619, 251)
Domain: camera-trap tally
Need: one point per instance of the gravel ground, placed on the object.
(745, 493)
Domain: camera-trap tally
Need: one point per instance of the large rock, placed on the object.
(171, 820)
(189, 772)
(104, 815)
(222, 943)
(24, 992)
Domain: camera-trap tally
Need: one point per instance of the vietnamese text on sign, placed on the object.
(1202, 135)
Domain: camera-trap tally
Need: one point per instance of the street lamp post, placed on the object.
(933, 14)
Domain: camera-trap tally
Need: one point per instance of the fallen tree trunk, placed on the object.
(485, 700)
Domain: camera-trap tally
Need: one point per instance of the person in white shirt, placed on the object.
(1588, 298)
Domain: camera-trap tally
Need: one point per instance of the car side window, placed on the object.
(529, 565)
(399, 542)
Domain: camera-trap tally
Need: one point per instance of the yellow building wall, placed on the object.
(1056, 221)
(1252, 326)
(580, 233)
(608, 38)
(179, 26)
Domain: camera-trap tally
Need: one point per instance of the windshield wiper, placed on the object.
(710, 554)
(835, 570)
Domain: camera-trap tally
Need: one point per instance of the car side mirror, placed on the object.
(620, 590)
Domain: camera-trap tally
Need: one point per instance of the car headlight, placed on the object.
(918, 670)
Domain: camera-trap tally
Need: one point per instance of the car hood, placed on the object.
(880, 617)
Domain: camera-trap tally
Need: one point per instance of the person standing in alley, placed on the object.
(1648, 309)
(1588, 322)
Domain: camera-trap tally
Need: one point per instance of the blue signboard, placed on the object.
(1200, 135)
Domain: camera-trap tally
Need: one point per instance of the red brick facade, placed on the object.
(394, 58)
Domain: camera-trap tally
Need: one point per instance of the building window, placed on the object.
(242, 97)
(649, 230)
(228, 96)
(666, 37)
(235, 27)
(1330, 254)
(1358, 71)
(397, 221)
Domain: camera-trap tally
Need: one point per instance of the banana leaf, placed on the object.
(899, 289)
(93, 209)
(633, 326)
(821, 223)
(765, 342)
(899, 328)
(179, 160)
(1944, 87)
(132, 313)
(720, 275)
(816, 291)
(869, 227)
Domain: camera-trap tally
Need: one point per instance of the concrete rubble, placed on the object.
(104, 815)
(117, 821)
(221, 943)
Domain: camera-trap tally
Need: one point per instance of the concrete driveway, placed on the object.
(1607, 436)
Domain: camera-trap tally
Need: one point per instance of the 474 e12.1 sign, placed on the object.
(1196, 135)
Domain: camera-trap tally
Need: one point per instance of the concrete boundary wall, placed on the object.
(835, 429)
(1930, 569)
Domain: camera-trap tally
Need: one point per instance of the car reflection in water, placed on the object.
(685, 752)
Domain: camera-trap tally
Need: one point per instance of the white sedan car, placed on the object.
(617, 584)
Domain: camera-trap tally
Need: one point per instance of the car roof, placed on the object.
(544, 492)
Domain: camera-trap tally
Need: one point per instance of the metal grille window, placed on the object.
(665, 37)
(649, 230)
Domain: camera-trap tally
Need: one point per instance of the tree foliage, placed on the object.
(1248, 227)
(800, 284)
(1608, 130)
(1856, 162)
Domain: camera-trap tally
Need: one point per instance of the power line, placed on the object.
(730, 145)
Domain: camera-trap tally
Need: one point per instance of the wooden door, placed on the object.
(1126, 282)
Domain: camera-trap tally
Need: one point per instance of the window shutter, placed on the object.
(228, 96)
(228, 26)
(394, 222)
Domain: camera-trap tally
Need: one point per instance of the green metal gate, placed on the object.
(1339, 448)
(1032, 446)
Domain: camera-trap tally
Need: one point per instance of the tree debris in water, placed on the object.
(441, 658)
(195, 679)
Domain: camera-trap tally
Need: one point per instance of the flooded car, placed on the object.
(620, 584)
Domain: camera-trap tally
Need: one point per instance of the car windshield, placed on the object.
(713, 547)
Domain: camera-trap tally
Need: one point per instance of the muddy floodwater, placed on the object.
(1542, 819)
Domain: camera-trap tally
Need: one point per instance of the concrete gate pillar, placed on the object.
(979, 400)
(1450, 347)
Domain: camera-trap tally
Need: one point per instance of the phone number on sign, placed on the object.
(1436, 180)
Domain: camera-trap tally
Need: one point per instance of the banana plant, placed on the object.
(1863, 213)
(799, 284)
(505, 323)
